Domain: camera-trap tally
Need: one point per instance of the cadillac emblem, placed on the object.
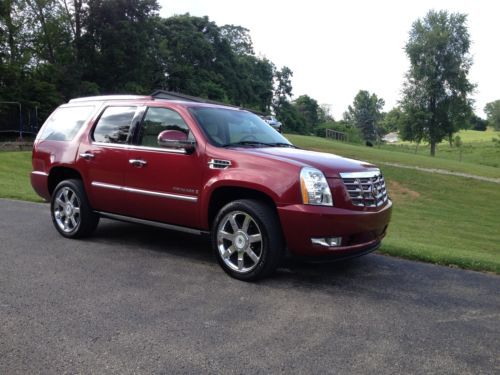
(374, 191)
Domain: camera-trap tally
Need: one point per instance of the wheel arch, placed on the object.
(223, 195)
(61, 173)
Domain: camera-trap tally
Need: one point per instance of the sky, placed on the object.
(336, 48)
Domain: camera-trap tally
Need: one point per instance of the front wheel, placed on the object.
(70, 210)
(247, 239)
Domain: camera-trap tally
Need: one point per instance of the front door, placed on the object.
(163, 184)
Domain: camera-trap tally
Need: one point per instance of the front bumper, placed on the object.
(361, 231)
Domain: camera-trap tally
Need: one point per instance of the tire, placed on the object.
(247, 239)
(70, 210)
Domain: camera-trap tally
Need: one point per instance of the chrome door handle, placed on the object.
(138, 162)
(87, 155)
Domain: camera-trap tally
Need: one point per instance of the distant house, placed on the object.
(391, 137)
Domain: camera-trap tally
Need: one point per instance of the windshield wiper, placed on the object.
(243, 143)
(280, 144)
(257, 144)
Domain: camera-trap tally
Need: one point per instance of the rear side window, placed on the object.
(114, 125)
(64, 123)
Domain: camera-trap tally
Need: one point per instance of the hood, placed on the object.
(330, 164)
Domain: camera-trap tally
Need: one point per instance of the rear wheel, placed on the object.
(247, 239)
(71, 213)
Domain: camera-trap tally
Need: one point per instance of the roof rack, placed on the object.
(171, 95)
(159, 95)
(110, 97)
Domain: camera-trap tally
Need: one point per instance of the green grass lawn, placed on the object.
(15, 168)
(436, 218)
(477, 148)
(381, 155)
(444, 219)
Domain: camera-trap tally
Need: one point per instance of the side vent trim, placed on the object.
(219, 164)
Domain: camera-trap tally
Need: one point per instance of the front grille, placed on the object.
(366, 189)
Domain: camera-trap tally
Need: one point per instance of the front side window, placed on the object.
(156, 121)
(114, 125)
(64, 123)
(228, 127)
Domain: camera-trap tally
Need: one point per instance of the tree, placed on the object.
(238, 38)
(118, 46)
(391, 121)
(54, 50)
(365, 113)
(325, 113)
(292, 119)
(308, 109)
(477, 123)
(282, 88)
(435, 94)
(199, 58)
(492, 110)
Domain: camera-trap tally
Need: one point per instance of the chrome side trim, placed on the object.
(139, 148)
(159, 149)
(106, 186)
(111, 145)
(188, 198)
(40, 173)
(367, 174)
(152, 223)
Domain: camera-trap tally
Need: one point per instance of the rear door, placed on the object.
(163, 183)
(103, 158)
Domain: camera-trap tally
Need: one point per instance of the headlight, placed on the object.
(314, 187)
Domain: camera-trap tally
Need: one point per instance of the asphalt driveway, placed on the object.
(134, 299)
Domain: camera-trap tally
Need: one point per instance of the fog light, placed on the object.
(327, 241)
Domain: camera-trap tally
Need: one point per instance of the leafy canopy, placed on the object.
(436, 92)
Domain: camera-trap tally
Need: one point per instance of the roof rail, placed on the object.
(110, 97)
(171, 95)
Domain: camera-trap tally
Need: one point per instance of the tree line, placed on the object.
(55, 50)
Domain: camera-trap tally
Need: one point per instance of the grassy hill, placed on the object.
(478, 148)
(380, 155)
(437, 218)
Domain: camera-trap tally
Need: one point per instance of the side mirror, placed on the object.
(176, 139)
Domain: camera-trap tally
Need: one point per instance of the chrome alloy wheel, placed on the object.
(239, 241)
(67, 210)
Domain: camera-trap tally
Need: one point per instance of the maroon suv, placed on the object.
(204, 168)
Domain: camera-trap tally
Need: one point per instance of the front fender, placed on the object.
(278, 188)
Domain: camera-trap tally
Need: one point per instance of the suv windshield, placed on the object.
(229, 127)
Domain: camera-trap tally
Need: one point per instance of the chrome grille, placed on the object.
(366, 189)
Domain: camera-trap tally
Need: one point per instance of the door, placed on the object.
(104, 159)
(164, 184)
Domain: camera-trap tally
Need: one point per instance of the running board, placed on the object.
(151, 223)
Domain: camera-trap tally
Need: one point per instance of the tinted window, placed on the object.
(64, 123)
(156, 121)
(114, 125)
(226, 126)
